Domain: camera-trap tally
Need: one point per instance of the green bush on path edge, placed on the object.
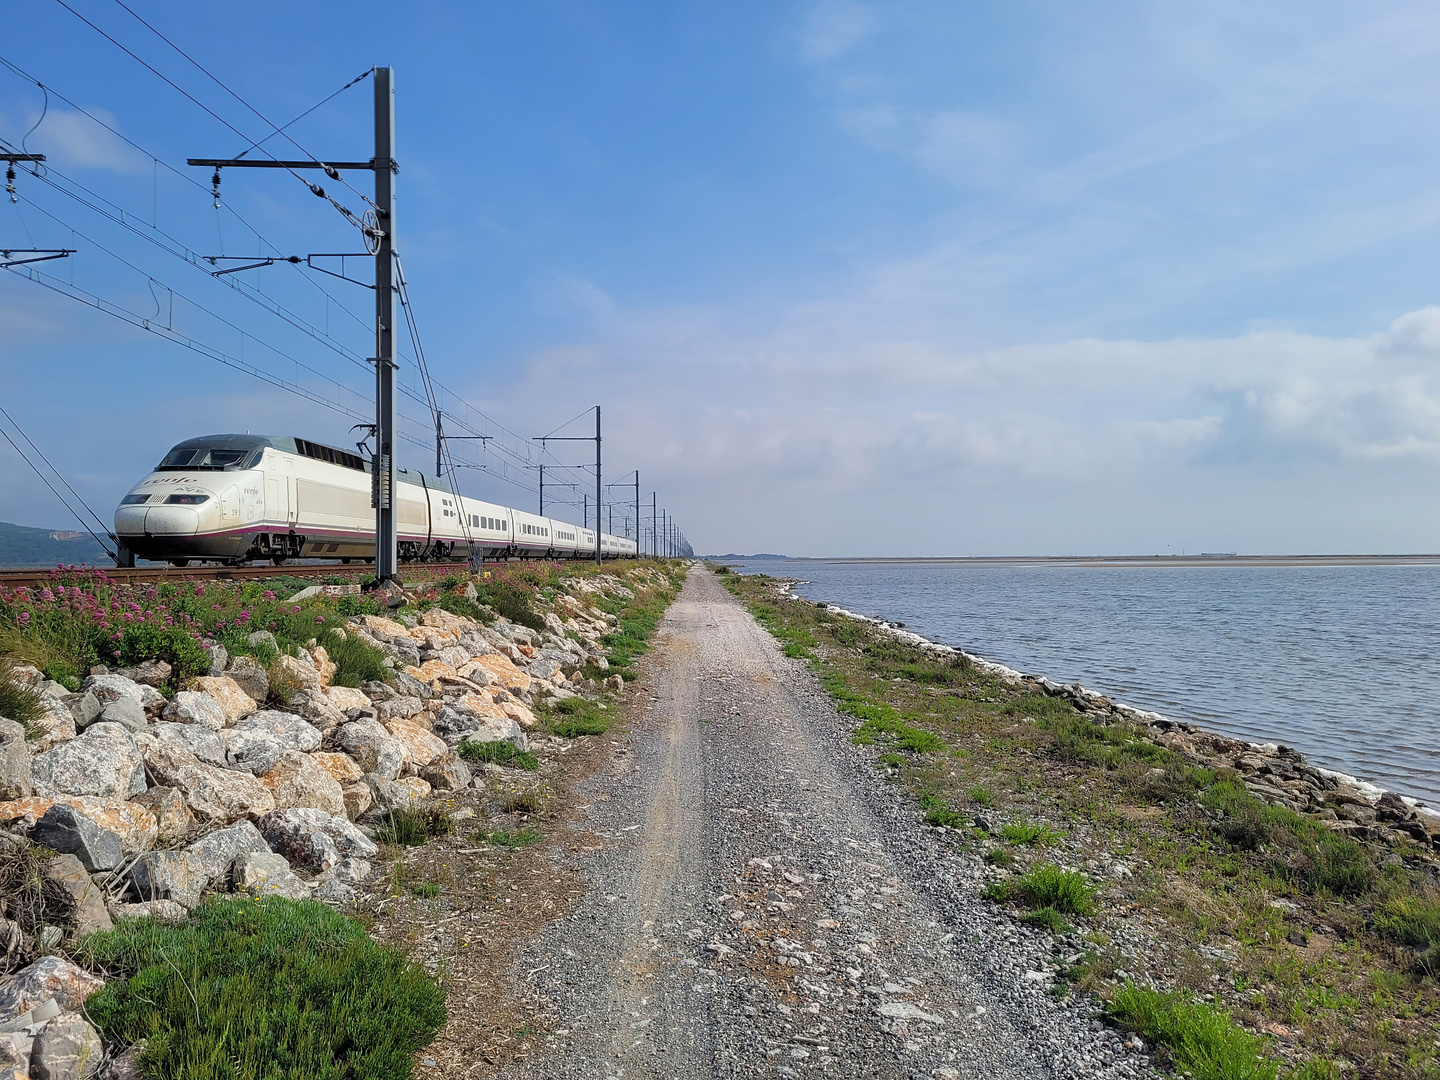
(268, 989)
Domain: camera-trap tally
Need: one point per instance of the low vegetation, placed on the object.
(1200, 1040)
(1283, 948)
(1048, 886)
(498, 753)
(80, 618)
(507, 839)
(19, 703)
(411, 826)
(577, 716)
(266, 988)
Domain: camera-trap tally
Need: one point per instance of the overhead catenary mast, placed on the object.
(382, 235)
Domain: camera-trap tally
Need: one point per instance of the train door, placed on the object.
(250, 505)
(230, 507)
(280, 492)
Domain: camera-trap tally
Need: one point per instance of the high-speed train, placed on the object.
(236, 498)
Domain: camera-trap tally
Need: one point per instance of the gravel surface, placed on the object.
(765, 904)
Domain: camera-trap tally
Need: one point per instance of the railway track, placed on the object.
(16, 578)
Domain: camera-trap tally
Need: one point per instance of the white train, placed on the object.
(236, 498)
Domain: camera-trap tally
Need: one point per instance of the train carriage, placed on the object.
(239, 498)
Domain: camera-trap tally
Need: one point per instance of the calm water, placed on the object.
(1341, 662)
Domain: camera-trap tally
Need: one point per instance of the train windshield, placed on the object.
(214, 452)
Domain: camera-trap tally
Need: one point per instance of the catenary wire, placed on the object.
(187, 178)
(314, 188)
(501, 447)
(46, 481)
(51, 465)
(276, 130)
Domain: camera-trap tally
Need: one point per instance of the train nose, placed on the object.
(171, 521)
(130, 520)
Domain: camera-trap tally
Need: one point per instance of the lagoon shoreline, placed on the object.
(1273, 772)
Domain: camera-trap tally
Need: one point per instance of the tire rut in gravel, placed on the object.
(766, 905)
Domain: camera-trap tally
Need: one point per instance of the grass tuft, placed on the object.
(501, 838)
(1411, 920)
(1029, 834)
(938, 813)
(577, 716)
(498, 753)
(356, 661)
(1049, 886)
(1047, 918)
(266, 988)
(20, 703)
(411, 826)
(1202, 1041)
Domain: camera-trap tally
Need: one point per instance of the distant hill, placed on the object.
(23, 546)
(732, 555)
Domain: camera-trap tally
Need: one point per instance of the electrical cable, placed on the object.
(432, 396)
(187, 178)
(281, 129)
(44, 480)
(499, 445)
(332, 173)
(314, 188)
(78, 497)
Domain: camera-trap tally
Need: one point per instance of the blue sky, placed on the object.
(847, 278)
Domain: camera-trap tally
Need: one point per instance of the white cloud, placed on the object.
(71, 139)
(762, 439)
(834, 27)
(970, 147)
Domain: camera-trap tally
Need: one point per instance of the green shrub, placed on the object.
(1030, 834)
(510, 600)
(999, 857)
(429, 891)
(20, 703)
(981, 796)
(1201, 1040)
(579, 716)
(177, 647)
(498, 753)
(1049, 886)
(1411, 920)
(350, 606)
(411, 826)
(938, 813)
(1048, 918)
(268, 989)
(356, 661)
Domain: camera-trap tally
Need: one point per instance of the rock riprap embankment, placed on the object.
(254, 780)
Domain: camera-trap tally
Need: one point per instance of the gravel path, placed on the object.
(765, 904)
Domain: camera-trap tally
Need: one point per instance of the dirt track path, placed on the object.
(764, 904)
